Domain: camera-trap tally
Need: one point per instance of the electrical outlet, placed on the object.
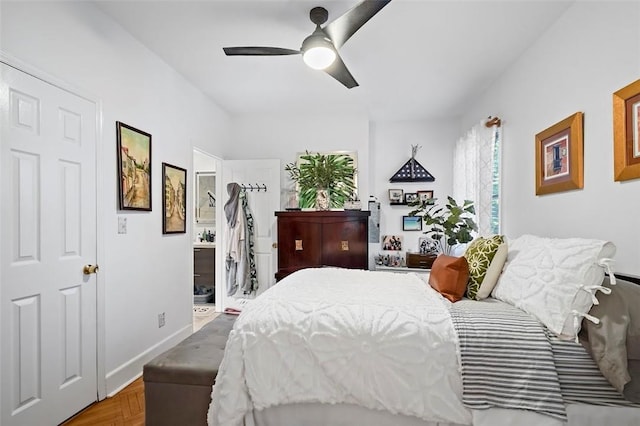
(161, 320)
(122, 225)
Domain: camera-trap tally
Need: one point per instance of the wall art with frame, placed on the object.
(134, 168)
(392, 243)
(396, 196)
(425, 195)
(412, 223)
(410, 197)
(559, 156)
(174, 194)
(626, 132)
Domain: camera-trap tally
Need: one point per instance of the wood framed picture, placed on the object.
(559, 156)
(425, 195)
(412, 223)
(134, 168)
(410, 197)
(396, 196)
(174, 206)
(626, 132)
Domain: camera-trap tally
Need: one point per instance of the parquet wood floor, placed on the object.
(126, 408)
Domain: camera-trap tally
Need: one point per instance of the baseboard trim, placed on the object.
(122, 376)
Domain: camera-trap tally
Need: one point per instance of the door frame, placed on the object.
(44, 76)
(219, 260)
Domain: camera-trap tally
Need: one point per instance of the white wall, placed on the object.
(143, 272)
(592, 51)
(391, 149)
(283, 136)
(382, 147)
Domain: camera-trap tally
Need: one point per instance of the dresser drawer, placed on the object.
(417, 260)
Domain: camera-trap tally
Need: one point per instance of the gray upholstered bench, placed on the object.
(177, 383)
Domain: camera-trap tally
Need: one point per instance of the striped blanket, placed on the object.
(510, 360)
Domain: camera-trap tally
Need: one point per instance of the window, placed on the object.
(476, 175)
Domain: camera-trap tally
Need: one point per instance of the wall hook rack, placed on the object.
(250, 187)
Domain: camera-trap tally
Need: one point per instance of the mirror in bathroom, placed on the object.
(205, 197)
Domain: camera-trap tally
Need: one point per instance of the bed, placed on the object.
(331, 346)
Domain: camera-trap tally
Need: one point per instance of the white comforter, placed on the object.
(379, 340)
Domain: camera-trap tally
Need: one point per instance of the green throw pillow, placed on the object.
(479, 255)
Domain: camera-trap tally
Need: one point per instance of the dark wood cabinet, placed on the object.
(204, 268)
(322, 238)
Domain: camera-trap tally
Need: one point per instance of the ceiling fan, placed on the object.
(320, 49)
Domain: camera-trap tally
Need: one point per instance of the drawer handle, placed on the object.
(298, 245)
(196, 275)
(344, 245)
(196, 249)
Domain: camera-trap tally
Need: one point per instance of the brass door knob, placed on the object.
(90, 269)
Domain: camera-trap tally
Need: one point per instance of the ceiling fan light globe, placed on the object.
(319, 57)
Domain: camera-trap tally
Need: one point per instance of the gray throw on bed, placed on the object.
(507, 360)
(510, 360)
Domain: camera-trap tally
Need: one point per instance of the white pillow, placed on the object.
(493, 272)
(555, 280)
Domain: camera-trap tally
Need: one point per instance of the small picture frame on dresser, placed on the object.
(396, 196)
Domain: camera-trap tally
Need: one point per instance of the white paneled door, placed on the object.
(263, 204)
(48, 225)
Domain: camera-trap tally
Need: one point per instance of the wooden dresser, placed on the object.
(322, 238)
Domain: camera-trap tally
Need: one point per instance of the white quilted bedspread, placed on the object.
(379, 340)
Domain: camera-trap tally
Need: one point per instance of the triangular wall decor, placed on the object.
(412, 171)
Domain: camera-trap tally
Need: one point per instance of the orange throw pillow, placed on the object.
(449, 276)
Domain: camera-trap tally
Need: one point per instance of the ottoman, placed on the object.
(177, 383)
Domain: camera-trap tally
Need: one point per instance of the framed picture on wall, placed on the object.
(396, 196)
(412, 223)
(410, 197)
(559, 160)
(205, 197)
(174, 206)
(626, 132)
(392, 243)
(425, 195)
(134, 168)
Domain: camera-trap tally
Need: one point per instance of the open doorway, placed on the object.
(205, 231)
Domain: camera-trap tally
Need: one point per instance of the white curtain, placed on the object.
(476, 175)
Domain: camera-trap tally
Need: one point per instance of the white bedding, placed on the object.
(378, 340)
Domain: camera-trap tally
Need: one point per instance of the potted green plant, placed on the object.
(448, 225)
(324, 180)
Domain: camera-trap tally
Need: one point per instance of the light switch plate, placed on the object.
(122, 225)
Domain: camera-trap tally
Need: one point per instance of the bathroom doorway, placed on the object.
(207, 272)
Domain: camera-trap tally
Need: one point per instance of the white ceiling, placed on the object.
(415, 59)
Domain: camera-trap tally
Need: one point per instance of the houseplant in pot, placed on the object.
(324, 180)
(448, 225)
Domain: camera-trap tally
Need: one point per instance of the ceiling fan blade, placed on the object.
(258, 51)
(343, 27)
(339, 71)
